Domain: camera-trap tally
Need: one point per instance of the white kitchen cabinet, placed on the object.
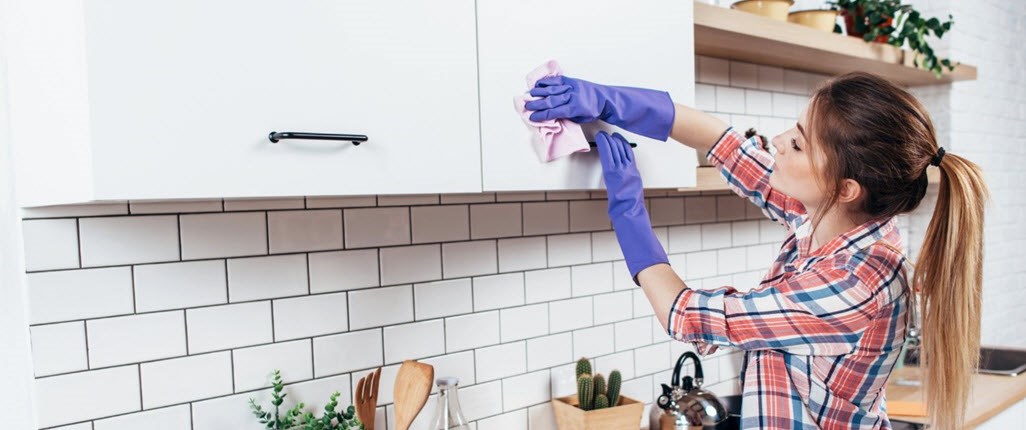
(643, 44)
(127, 99)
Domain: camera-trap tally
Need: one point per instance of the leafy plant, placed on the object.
(895, 24)
(593, 392)
(295, 419)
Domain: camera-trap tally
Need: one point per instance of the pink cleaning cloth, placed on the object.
(552, 138)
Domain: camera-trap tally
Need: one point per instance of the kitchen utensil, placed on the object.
(776, 9)
(412, 387)
(448, 415)
(367, 398)
(820, 19)
(686, 403)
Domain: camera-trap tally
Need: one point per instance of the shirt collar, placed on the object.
(854, 239)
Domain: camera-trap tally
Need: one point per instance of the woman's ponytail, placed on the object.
(949, 277)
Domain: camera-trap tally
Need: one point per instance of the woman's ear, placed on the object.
(850, 191)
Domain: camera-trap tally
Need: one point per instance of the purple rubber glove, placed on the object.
(627, 210)
(638, 110)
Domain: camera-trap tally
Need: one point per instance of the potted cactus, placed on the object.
(598, 404)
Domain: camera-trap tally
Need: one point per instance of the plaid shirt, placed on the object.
(823, 329)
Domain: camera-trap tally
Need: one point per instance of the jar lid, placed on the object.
(447, 381)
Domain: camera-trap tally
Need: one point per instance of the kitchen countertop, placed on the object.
(990, 395)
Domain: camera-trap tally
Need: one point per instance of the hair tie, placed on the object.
(937, 158)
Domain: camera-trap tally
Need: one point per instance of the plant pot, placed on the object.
(849, 25)
(820, 19)
(625, 415)
(776, 9)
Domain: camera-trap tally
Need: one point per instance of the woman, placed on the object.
(824, 328)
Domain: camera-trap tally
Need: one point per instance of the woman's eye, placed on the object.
(794, 144)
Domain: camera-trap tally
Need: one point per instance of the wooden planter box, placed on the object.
(625, 415)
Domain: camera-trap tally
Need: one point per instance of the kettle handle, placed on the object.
(680, 363)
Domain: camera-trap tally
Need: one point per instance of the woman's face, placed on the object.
(794, 173)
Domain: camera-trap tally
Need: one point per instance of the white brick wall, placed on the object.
(178, 311)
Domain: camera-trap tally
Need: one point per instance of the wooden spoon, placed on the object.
(412, 387)
(367, 398)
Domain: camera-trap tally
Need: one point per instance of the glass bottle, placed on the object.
(448, 415)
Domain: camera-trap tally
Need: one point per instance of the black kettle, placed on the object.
(686, 405)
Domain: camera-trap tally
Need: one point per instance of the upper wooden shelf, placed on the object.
(733, 34)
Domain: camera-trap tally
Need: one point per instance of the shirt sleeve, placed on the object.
(747, 168)
(822, 311)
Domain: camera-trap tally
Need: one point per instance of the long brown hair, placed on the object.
(879, 135)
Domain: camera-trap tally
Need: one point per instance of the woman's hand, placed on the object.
(646, 112)
(627, 210)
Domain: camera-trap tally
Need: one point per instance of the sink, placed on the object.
(995, 361)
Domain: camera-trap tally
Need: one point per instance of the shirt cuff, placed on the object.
(717, 155)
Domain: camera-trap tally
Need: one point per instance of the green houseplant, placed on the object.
(295, 419)
(894, 23)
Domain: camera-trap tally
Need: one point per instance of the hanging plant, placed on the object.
(893, 23)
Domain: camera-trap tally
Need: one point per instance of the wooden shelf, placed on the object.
(733, 34)
(709, 179)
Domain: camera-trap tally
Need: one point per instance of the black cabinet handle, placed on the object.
(593, 144)
(275, 136)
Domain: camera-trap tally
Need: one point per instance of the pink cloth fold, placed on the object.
(553, 138)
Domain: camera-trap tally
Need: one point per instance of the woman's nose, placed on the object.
(775, 142)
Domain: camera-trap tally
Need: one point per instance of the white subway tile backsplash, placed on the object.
(440, 223)
(253, 204)
(653, 358)
(622, 361)
(170, 418)
(254, 367)
(498, 291)
(744, 233)
(186, 379)
(175, 206)
(128, 240)
(744, 75)
(405, 264)
(500, 361)
(508, 421)
(380, 306)
(758, 102)
(795, 82)
(705, 97)
(304, 230)
(459, 365)
(348, 352)
(594, 341)
(546, 217)
(443, 298)
(481, 400)
(569, 249)
(256, 278)
(135, 338)
(547, 285)
(180, 285)
(700, 264)
(760, 256)
(633, 333)
(605, 247)
(343, 270)
(711, 70)
(715, 236)
(684, 238)
(70, 398)
(469, 258)
(548, 351)
(471, 331)
(524, 322)
(222, 235)
(570, 314)
(731, 260)
(542, 417)
(592, 279)
(58, 348)
(522, 254)
(525, 390)
(310, 316)
(771, 78)
(730, 100)
(414, 341)
(50, 244)
(614, 307)
(589, 215)
(784, 105)
(495, 220)
(78, 294)
(228, 326)
(367, 227)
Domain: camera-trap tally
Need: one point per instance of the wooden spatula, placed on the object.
(367, 398)
(412, 387)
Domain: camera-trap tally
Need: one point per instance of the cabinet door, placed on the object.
(183, 94)
(644, 44)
